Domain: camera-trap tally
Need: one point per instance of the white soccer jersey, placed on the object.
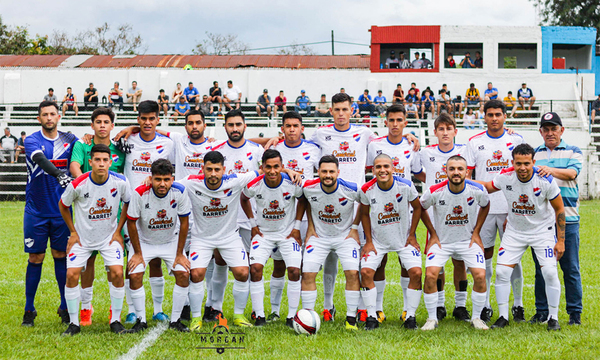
(404, 158)
(157, 218)
(433, 161)
(95, 206)
(390, 211)
(276, 207)
(189, 157)
(349, 147)
(488, 156)
(215, 211)
(303, 159)
(143, 154)
(530, 210)
(455, 215)
(332, 213)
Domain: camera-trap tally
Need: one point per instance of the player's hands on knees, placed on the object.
(135, 260)
(182, 260)
(73, 239)
(295, 234)
(118, 238)
(559, 249)
(412, 240)
(476, 239)
(255, 231)
(87, 139)
(354, 235)
(369, 247)
(433, 239)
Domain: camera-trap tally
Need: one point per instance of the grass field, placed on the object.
(451, 340)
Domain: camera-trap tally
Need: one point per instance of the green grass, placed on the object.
(452, 339)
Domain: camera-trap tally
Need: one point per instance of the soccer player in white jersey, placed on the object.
(531, 199)
(385, 210)
(95, 198)
(332, 227)
(215, 199)
(433, 159)
(459, 209)
(146, 147)
(489, 153)
(157, 219)
(275, 226)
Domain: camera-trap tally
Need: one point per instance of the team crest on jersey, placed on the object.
(343, 201)
(305, 155)
(160, 149)
(194, 255)
(101, 202)
(113, 192)
(173, 204)
(329, 209)
(66, 146)
(537, 191)
(389, 207)
(457, 210)
(497, 155)
(228, 192)
(115, 157)
(470, 200)
(501, 251)
(238, 165)
(145, 156)
(215, 202)
(510, 146)
(430, 256)
(309, 249)
(161, 214)
(398, 197)
(249, 156)
(287, 196)
(407, 154)
(72, 257)
(274, 204)
(395, 161)
(292, 164)
(524, 198)
(356, 137)
(255, 244)
(344, 146)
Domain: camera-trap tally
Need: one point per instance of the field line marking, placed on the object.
(146, 342)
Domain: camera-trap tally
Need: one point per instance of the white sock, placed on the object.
(308, 299)
(380, 285)
(116, 301)
(431, 301)
(460, 299)
(127, 296)
(139, 303)
(503, 274)
(441, 298)
(478, 300)
(550, 274)
(257, 294)
(86, 297)
(369, 297)
(293, 294)
(404, 284)
(413, 298)
(208, 278)
(240, 296)
(276, 285)
(72, 297)
(489, 271)
(330, 270)
(196, 294)
(219, 283)
(516, 280)
(180, 296)
(352, 297)
(157, 284)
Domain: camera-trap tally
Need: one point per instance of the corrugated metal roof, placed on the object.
(32, 60)
(405, 34)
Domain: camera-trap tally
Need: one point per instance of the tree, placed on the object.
(13, 40)
(219, 44)
(570, 13)
(296, 49)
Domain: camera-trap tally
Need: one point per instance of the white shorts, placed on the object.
(460, 250)
(231, 249)
(79, 255)
(409, 256)
(317, 250)
(276, 254)
(165, 252)
(246, 236)
(262, 248)
(513, 247)
(493, 223)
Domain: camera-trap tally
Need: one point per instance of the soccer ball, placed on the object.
(306, 322)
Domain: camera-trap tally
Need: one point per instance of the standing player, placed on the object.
(433, 159)
(95, 198)
(489, 153)
(155, 232)
(458, 222)
(103, 122)
(385, 208)
(48, 153)
(530, 197)
(334, 228)
(274, 228)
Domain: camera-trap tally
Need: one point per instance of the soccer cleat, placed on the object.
(72, 330)
(479, 324)
(430, 324)
(518, 313)
(86, 317)
(273, 317)
(575, 318)
(240, 320)
(461, 313)
(361, 316)
(161, 316)
(327, 315)
(403, 317)
(289, 322)
(351, 323)
(500, 323)
(260, 321)
(253, 315)
(486, 314)
(381, 316)
(371, 323)
(139, 326)
(539, 318)
(64, 316)
(186, 313)
(208, 313)
(553, 325)
(28, 318)
(130, 319)
(441, 313)
(178, 325)
(196, 324)
(411, 323)
(118, 328)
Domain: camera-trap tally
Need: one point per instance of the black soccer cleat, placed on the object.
(500, 323)
(486, 314)
(441, 313)
(186, 313)
(461, 313)
(215, 316)
(253, 315)
(411, 323)
(539, 318)
(371, 323)
(208, 314)
(260, 321)
(575, 318)
(28, 318)
(553, 325)
(518, 313)
(139, 326)
(178, 325)
(72, 330)
(289, 322)
(64, 316)
(118, 328)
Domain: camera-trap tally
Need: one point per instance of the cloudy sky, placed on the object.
(174, 27)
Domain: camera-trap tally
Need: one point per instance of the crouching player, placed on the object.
(95, 197)
(385, 209)
(458, 223)
(156, 214)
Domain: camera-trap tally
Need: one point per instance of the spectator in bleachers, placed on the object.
(380, 103)
(417, 63)
(444, 102)
(355, 109)
(511, 104)
(232, 95)
(427, 64)
(478, 60)
(445, 87)
(115, 96)
(595, 108)
(90, 98)
(8, 144)
(412, 110)
(70, 102)
(177, 93)
(365, 103)
(472, 96)
(491, 93)
(134, 94)
(322, 107)
(467, 62)
(191, 94)
(392, 60)
(398, 96)
(50, 96)
(412, 97)
(264, 103)
(215, 95)
(280, 103)
(206, 107)
(427, 103)
(163, 102)
(469, 119)
(449, 62)
(417, 91)
(20, 145)
(303, 103)
(182, 108)
(404, 63)
(525, 95)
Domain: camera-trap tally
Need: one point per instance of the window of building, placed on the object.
(517, 56)
(459, 51)
(575, 56)
(405, 51)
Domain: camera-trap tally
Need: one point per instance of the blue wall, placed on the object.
(567, 35)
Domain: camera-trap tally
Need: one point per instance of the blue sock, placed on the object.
(32, 280)
(60, 271)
